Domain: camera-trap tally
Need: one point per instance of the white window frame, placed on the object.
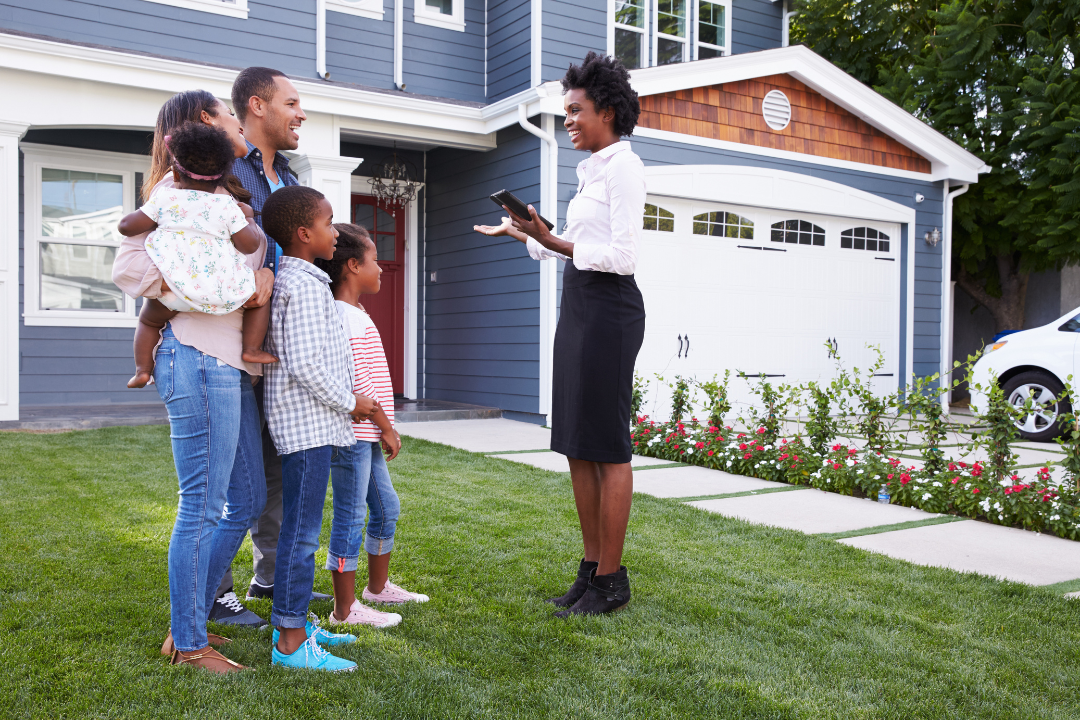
(643, 61)
(454, 21)
(36, 157)
(656, 35)
(372, 9)
(724, 51)
(237, 9)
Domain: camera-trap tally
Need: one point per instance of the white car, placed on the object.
(1033, 363)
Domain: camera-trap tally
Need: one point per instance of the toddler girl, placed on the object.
(359, 475)
(197, 240)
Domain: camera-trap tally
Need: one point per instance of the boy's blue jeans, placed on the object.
(361, 481)
(217, 452)
(304, 477)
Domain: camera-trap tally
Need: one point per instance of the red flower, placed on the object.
(761, 431)
(710, 453)
(746, 456)
(975, 491)
(889, 476)
(758, 447)
(720, 438)
(905, 479)
(742, 446)
(955, 480)
(784, 456)
(676, 447)
(836, 466)
(952, 467)
(700, 445)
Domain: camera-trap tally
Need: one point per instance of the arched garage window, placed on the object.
(798, 232)
(657, 218)
(864, 238)
(724, 224)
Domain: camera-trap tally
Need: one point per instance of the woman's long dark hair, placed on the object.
(181, 108)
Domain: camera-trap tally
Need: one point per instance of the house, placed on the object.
(789, 207)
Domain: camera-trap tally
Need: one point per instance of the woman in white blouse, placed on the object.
(601, 324)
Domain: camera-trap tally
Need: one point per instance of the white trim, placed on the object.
(643, 31)
(909, 348)
(455, 21)
(536, 42)
(726, 49)
(35, 158)
(320, 39)
(9, 268)
(610, 28)
(399, 62)
(372, 9)
(948, 292)
(650, 34)
(237, 9)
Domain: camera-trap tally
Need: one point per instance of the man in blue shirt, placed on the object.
(268, 107)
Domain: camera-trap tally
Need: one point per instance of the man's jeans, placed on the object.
(361, 482)
(204, 398)
(304, 478)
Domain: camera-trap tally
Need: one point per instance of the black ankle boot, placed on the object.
(606, 593)
(581, 584)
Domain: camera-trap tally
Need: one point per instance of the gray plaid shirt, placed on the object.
(309, 390)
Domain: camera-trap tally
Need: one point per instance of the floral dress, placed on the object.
(193, 248)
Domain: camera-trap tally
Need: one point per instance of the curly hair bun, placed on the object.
(606, 82)
(202, 149)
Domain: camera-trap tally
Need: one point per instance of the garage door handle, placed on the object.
(687, 353)
(831, 344)
(889, 259)
(680, 346)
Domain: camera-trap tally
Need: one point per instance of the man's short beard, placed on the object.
(281, 135)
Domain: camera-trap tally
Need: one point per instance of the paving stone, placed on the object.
(695, 481)
(970, 546)
(492, 435)
(813, 511)
(558, 463)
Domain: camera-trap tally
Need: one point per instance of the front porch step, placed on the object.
(413, 411)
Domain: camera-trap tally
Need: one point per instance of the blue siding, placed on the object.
(361, 50)
(571, 29)
(76, 365)
(445, 63)
(277, 33)
(508, 48)
(928, 260)
(756, 25)
(482, 314)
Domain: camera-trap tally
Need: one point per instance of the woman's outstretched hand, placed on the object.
(507, 228)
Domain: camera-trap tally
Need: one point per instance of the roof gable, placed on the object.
(732, 112)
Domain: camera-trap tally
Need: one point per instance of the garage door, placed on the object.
(755, 290)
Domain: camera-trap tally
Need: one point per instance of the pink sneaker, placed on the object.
(393, 595)
(360, 614)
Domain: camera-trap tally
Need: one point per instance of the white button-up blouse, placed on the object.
(604, 219)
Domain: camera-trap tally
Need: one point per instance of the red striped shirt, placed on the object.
(371, 374)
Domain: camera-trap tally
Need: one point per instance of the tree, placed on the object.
(996, 77)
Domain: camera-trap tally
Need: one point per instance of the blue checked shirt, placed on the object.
(249, 171)
(309, 390)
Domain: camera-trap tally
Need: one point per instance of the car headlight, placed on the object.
(997, 346)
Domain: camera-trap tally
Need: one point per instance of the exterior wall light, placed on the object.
(932, 237)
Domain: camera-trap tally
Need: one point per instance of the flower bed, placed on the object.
(964, 489)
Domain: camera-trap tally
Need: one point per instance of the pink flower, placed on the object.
(700, 445)
(905, 479)
(710, 453)
(761, 431)
(746, 456)
(742, 446)
(955, 480)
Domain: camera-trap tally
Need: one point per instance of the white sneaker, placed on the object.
(360, 614)
(394, 595)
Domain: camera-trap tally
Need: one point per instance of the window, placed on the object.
(657, 218)
(630, 32)
(724, 224)
(448, 14)
(864, 238)
(73, 202)
(798, 232)
(671, 37)
(232, 8)
(713, 23)
(364, 8)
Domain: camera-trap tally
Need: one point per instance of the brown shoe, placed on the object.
(207, 659)
(167, 647)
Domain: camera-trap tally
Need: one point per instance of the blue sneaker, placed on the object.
(310, 656)
(323, 637)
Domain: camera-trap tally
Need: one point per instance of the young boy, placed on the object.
(309, 401)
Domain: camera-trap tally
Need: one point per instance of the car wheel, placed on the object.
(1044, 389)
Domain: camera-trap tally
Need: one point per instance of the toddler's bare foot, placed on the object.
(257, 356)
(142, 377)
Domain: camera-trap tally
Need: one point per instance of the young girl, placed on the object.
(359, 474)
(196, 242)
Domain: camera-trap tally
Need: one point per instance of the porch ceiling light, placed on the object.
(392, 183)
(932, 237)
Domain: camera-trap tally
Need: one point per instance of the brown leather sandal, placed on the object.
(168, 647)
(208, 659)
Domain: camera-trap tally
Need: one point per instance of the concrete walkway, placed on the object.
(905, 533)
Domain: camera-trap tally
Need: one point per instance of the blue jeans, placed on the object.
(304, 477)
(208, 417)
(361, 481)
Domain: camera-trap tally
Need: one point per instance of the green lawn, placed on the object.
(728, 620)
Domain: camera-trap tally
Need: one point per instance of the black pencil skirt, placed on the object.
(601, 327)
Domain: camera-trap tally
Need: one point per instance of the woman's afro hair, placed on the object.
(202, 149)
(606, 82)
(353, 242)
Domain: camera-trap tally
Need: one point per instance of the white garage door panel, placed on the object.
(763, 311)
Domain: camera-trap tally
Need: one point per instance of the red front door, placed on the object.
(387, 307)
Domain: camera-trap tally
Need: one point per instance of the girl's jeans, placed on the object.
(213, 419)
(361, 481)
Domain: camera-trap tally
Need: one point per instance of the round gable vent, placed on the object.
(776, 109)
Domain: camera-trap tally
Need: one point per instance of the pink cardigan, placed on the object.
(216, 335)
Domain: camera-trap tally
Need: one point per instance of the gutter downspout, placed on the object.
(549, 206)
(947, 294)
(536, 57)
(785, 40)
(320, 39)
(399, 20)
